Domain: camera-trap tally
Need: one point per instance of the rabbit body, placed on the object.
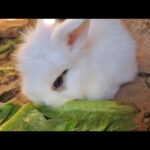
(98, 54)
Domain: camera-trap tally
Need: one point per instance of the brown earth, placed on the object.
(137, 92)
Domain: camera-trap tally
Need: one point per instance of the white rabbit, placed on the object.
(76, 59)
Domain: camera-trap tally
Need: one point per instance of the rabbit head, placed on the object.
(48, 61)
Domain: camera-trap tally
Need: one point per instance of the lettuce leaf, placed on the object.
(75, 115)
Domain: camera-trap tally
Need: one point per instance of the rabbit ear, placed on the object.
(73, 32)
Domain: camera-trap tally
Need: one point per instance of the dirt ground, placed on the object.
(137, 92)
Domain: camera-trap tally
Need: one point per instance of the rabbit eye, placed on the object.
(59, 81)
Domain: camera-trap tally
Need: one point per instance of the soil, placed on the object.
(137, 92)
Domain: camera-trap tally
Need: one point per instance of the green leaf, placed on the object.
(26, 119)
(9, 45)
(76, 115)
(91, 116)
(6, 69)
(104, 106)
(7, 110)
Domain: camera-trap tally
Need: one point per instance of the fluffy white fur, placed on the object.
(100, 59)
